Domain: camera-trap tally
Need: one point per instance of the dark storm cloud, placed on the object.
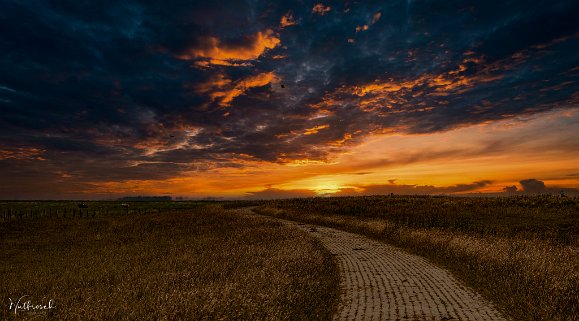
(535, 186)
(510, 189)
(98, 87)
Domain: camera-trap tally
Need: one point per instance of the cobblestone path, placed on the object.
(382, 282)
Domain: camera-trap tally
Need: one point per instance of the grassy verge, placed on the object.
(203, 264)
(530, 276)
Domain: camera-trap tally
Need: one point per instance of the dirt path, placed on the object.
(382, 282)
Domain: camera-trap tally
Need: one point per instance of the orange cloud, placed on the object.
(215, 82)
(360, 28)
(287, 20)
(302, 162)
(21, 153)
(222, 89)
(213, 51)
(391, 86)
(321, 9)
(258, 80)
(376, 17)
(392, 96)
(444, 162)
(314, 130)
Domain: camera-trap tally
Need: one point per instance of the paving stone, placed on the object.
(382, 282)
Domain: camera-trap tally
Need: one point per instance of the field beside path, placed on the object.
(522, 253)
(199, 263)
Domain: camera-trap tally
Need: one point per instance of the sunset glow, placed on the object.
(264, 100)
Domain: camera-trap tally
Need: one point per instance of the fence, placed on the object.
(15, 214)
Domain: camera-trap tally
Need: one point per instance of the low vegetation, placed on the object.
(198, 264)
(29, 210)
(520, 252)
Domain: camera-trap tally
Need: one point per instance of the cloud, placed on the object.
(225, 91)
(376, 17)
(20, 153)
(321, 9)
(419, 189)
(365, 190)
(534, 186)
(287, 20)
(214, 51)
(510, 189)
(272, 193)
(125, 83)
(315, 130)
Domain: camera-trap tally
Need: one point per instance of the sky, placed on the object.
(268, 99)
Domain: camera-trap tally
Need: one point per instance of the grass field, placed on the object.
(520, 252)
(26, 210)
(173, 261)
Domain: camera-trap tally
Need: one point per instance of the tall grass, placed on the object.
(26, 210)
(521, 253)
(201, 264)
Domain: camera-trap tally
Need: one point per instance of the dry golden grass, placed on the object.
(204, 264)
(528, 278)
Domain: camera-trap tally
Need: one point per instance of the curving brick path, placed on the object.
(382, 282)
